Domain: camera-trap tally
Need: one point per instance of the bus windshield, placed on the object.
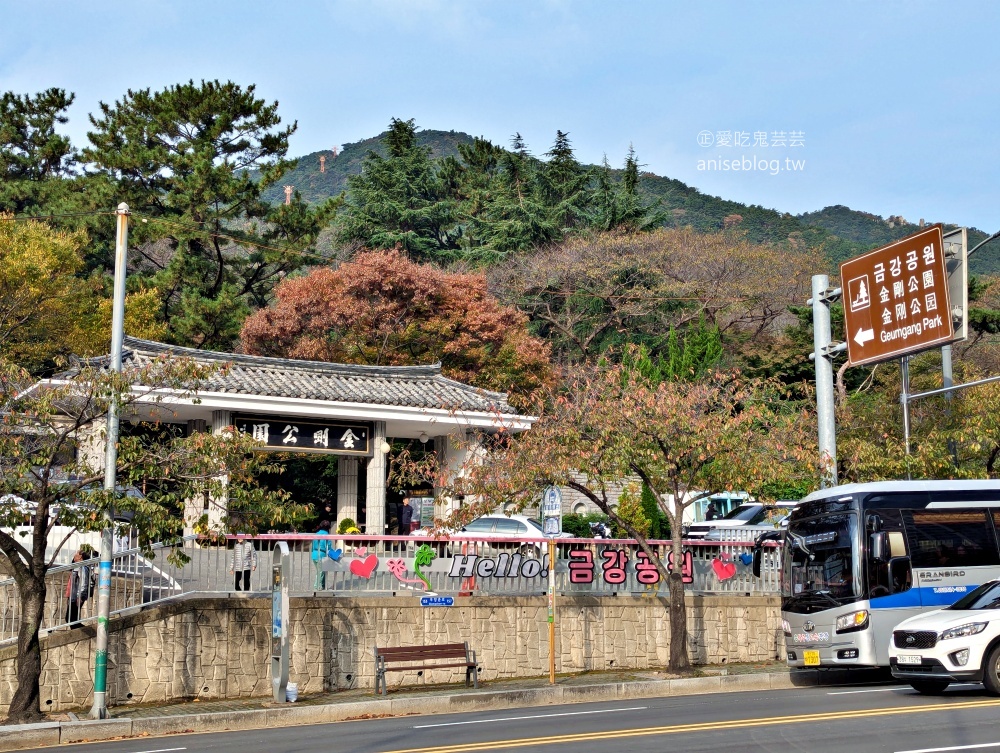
(820, 570)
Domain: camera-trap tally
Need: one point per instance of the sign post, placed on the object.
(552, 511)
(279, 621)
(551, 527)
(896, 299)
(552, 611)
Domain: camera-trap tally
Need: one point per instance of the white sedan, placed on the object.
(960, 643)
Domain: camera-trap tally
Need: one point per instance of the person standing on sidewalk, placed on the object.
(78, 586)
(244, 561)
(320, 547)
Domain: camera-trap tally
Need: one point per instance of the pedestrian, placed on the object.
(244, 561)
(320, 547)
(78, 586)
(711, 512)
(405, 517)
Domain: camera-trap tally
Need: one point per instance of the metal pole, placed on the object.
(100, 708)
(824, 381)
(947, 379)
(904, 398)
(552, 611)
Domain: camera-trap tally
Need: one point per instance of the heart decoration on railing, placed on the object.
(723, 570)
(365, 567)
(746, 558)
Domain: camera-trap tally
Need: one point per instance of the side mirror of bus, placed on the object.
(878, 547)
(755, 563)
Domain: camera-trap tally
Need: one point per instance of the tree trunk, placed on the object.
(24, 706)
(678, 608)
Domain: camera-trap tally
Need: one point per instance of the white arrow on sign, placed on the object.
(864, 335)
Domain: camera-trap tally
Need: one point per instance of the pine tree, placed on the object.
(618, 205)
(194, 159)
(564, 185)
(514, 216)
(34, 159)
(400, 200)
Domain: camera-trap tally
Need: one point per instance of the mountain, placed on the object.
(838, 231)
(316, 186)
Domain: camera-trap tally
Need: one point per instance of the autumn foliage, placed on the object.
(383, 309)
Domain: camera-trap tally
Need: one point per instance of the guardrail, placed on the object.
(357, 565)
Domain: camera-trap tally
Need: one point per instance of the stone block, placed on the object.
(579, 693)
(230, 720)
(695, 685)
(92, 730)
(21, 736)
(746, 682)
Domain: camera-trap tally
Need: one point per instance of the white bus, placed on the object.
(859, 559)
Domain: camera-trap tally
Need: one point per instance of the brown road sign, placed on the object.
(896, 299)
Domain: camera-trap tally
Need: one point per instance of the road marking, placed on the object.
(700, 727)
(957, 747)
(537, 716)
(900, 687)
(159, 750)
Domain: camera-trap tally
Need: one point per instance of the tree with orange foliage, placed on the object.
(685, 440)
(383, 309)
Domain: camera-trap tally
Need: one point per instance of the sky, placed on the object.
(886, 107)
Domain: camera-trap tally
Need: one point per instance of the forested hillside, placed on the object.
(838, 232)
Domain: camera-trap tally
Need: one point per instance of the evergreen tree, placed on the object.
(34, 159)
(514, 217)
(651, 511)
(564, 185)
(686, 358)
(400, 200)
(618, 204)
(194, 158)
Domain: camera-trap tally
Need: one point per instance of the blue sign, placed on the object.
(437, 601)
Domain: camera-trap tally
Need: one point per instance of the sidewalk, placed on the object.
(256, 713)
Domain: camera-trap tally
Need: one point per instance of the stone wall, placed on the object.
(219, 648)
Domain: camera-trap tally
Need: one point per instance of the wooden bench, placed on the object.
(415, 658)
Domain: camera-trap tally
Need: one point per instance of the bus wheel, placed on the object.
(991, 671)
(929, 687)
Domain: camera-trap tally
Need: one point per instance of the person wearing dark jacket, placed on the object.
(78, 586)
(405, 517)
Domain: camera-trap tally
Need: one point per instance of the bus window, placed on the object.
(892, 574)
(951, 538)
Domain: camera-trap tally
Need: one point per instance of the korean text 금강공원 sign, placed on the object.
(896, 299)
(290, 434)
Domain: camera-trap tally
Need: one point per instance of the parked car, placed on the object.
(776, 519)
(499, 526)
(749, 514)
(960, 643)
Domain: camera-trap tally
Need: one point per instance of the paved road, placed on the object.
(858, 719)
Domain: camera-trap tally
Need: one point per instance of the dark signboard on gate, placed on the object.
(291, 434)
(896, 299)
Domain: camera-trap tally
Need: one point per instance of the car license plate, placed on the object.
(904, 659)
(811, 658)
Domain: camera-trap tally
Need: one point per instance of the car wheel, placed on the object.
(929, 687)
(529, 551)
(991, 671)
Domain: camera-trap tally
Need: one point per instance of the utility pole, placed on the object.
(823, 350)
(100, 708)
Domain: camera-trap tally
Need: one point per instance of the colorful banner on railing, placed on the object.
(611, 565)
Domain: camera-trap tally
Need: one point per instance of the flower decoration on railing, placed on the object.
(422, 557)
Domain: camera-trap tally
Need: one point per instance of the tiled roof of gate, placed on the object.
(409, 386)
